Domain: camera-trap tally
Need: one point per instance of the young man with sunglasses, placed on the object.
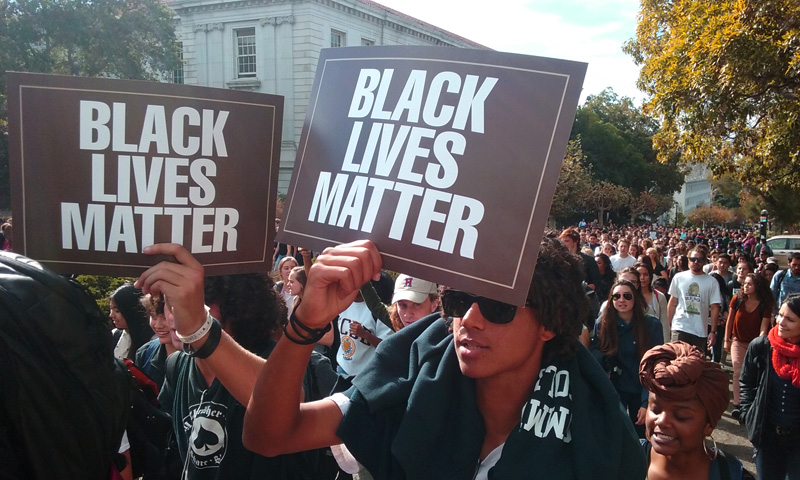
(486, 386)
(694, 296)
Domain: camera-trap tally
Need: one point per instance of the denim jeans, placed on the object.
(778, 457)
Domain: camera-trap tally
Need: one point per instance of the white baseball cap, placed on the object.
(412, 289)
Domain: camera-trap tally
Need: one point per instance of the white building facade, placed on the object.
(272, 46)
(696, 190)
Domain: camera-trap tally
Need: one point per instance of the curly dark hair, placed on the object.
(557, 297)
(761, 291)
(251, 310)
(153, 305)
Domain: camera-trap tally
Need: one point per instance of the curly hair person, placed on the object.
(252, 311)
(557, 297)
(153, 305)
(761, 291)
(608, 338)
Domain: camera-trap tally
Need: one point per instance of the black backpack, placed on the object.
(154, 451)
(64, 401)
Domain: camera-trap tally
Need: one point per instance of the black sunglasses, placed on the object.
(626, 296)
(456, 303)
(697, 259)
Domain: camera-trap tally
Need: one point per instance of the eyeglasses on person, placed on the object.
(626, 296)
(456, 303)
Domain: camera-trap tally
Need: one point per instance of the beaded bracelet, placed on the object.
(311, 335)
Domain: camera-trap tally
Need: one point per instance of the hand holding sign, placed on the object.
(441, 156)
(180, 282)
(334, 280)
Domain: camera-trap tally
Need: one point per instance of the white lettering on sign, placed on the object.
(408, 167)
(158, 181)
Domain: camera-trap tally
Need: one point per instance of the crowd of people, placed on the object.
(329, 367)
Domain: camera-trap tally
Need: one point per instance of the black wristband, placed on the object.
(305, 335)
(214, 336)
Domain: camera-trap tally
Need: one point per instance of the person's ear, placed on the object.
(707, 430)
(545, 335)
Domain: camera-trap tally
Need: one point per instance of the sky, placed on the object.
(590, 31)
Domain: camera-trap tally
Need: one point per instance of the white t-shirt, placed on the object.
(618, 263)
(695, 294)
(123, 347)
(354, 352)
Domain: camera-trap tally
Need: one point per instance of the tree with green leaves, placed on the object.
(130, 39)
(574, 180)
(616, 138)
(650, 204)
(724, 80)
(605, 196)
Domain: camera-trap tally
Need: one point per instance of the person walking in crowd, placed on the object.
(687, 397)
(621, 336)
(208, 411)
(787, 282)
(694, 296)
(679, 264)
(152, 356)
(413, 299)
(593, 243)
(622, 259)
(770, 395)
(295, 284)
(654, 300)
(749, 316)
(130, 320)
(769, 271)
(571, 239)
(607, 275)
(743, 268)
(655, 263)
(360, 332)
(608, 249)
(285, 266)
(493, 362)
(722, 267)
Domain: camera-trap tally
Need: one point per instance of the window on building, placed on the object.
(245, 52)
(177, 74)
(337, 38)
(365, 42)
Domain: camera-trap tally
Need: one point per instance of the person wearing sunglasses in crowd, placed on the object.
(436, 399)
(694, 295)
(622, 335)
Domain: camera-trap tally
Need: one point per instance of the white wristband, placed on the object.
(199, 333)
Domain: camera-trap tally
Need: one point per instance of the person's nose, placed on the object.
(474, 318)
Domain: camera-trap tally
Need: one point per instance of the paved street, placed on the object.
(732, 437)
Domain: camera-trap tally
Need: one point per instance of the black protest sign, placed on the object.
(103, 168)
(446, 158)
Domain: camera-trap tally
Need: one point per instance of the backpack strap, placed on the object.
(148, 355)
(781, 276)
(736, 304)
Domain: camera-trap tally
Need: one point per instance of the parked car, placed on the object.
(782, 246)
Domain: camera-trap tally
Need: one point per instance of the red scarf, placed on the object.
(785, 357)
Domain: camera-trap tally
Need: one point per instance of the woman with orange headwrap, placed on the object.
(688, 395)
(770, 395)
